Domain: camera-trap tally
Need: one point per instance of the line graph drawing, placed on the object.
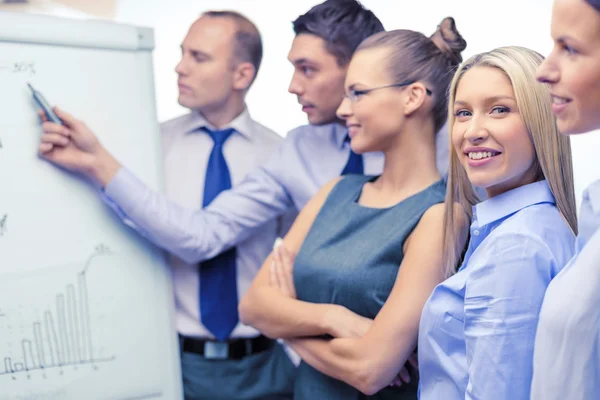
(62, 336)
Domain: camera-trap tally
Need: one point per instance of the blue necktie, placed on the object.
(355, 161)
(218, 278)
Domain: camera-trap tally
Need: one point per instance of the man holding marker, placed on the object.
(44, 105)
(204, 152)
(310, 156)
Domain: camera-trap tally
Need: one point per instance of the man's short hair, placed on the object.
(343, 24)
(594, 3)
(248, 42)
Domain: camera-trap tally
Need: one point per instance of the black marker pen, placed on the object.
(39, 98)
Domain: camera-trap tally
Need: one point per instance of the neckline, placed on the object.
(371, 179)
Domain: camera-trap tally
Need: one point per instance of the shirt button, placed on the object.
(476, 232)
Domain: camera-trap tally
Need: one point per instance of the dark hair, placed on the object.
(415, 57)
(594, 3)
(248, 43)
(343, 24)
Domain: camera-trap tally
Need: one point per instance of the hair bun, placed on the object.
(448, 40)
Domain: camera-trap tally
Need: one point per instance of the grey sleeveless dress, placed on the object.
(351, 257)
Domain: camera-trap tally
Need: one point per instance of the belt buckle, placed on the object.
(216, 350)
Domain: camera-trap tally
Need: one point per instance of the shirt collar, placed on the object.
(592, 196)
(339, 134)
(242, 123)
(501, 206)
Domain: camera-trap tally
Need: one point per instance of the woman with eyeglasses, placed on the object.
(567, 349)
(347, 286)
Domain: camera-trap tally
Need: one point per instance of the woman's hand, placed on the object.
(282, 271)
(341, 322)
(403, 376)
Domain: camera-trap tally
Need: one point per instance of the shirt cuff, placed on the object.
(125, 190)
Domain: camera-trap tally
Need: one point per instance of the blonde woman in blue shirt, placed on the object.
(567, 349)
(477, 329)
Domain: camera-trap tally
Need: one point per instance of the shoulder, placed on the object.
(438, 190)
(174, 125)
(319, 199)
(437, 213)
(172, 130)
(541, 224)
(433, 220)
(592, 193)
(265, 134)
(590, 203)
(326, 189)
(304, 142)
(432, 200)
(293, 137)
(430, 223)
(309, 133)
(531, 245)
(309, 212)
(434, 215)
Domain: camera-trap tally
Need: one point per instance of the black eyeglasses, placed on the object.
(356, 93)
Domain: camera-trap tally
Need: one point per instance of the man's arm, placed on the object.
(193, 235)
(197, 235)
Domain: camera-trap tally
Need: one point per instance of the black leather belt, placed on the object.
(235, 349)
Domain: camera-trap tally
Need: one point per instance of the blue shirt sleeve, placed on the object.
(503, 297)
(198, 235)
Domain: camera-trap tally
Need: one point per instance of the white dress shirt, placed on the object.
(186, 149)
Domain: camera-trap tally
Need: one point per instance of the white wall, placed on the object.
(47, 7)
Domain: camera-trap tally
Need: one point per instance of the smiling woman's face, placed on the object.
(375, 117)
(489, 135)
(573, 68)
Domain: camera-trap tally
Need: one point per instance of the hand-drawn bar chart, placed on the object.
(69, 326)
(63, 335)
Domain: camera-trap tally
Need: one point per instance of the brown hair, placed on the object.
(342, 24)
(248, 42)
(415, 57)
(594, 3)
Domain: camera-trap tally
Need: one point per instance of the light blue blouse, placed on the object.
(567, 348)
(477, 329)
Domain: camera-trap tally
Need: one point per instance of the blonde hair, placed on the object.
(552, 150)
